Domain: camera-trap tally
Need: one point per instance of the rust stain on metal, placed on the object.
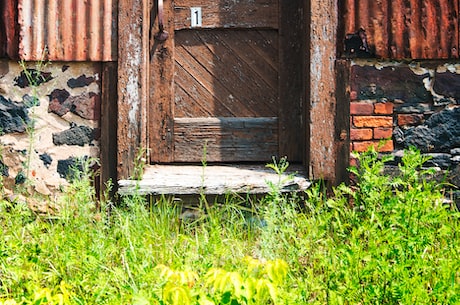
(427, 29)
(8, 31)
(68, 30)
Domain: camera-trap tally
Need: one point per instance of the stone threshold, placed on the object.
(213, 180)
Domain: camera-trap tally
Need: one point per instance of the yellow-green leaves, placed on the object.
(260, 283)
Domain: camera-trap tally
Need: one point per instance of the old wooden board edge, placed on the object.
(245, 14)
(322, 56)
(292, 134)
(133, 34)
(225, 139)
(342, 121)
(161, 93)
(109, 113)
(213, 180)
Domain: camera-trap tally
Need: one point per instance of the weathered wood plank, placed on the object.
(230, 72)
(230, 14)
(109, 114)
(133, 46)
(322, 55)
(161, 110)
(225, 139)
(342, 122)
(213, 180)
(292, 85)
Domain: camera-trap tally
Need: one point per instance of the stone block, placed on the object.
(410, 119)
(392, 83)
(440, 133)
(447, 84)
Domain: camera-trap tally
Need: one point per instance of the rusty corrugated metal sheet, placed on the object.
(418, 29)
(69, 30)
(8, 29)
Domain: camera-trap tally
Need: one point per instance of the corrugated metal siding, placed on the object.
(69, 30)
(418, 29)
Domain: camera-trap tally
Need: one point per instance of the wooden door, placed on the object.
(227, 82)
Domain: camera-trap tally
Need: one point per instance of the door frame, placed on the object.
(326, 152)
(291, 86)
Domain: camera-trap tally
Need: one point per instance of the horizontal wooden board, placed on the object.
(230, 14)
(225, 139)
(213, 180)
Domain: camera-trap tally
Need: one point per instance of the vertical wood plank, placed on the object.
(322, 54)
(108, 123)
(133, 31)
(291, 80)
(342, 122)
(161, 111)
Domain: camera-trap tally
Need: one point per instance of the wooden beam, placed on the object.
(161, 110)
(292, 80)
(323, 105)
(214, 180)
(133, 48)
(109, 114)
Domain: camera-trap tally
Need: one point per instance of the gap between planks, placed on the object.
(213, 180)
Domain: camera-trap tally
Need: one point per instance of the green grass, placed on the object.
(386, 240)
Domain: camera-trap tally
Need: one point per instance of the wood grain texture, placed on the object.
(161, 110)
(226, 73)
(292, 81)
(133, 47)
(213, 180)
(225, 139)
(228, 14)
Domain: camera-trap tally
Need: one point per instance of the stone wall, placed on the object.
(414, 103)
(49, 119)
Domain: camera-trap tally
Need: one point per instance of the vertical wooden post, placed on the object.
(323, 151)
(292, 84)
(133, 48)
(109, 114)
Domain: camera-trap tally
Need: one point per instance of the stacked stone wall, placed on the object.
(49, 119)
(413, 103)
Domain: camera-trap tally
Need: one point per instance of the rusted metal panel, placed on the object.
(427, 29)
(9, 32)
(68, 30)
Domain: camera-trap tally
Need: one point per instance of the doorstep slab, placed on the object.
(213, 180)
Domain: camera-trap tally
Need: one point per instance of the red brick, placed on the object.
(383, 133)
(361, 108)
(410, 119)
(373, 121)
(383, 108)
(360, 134)
(363, 146)
(353, 95)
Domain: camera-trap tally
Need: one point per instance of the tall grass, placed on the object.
(387, 240)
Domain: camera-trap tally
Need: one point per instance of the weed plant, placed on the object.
(386, 240)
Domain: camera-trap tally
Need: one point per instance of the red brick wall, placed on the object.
(371, 122)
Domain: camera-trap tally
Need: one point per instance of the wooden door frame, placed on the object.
(326, 151)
